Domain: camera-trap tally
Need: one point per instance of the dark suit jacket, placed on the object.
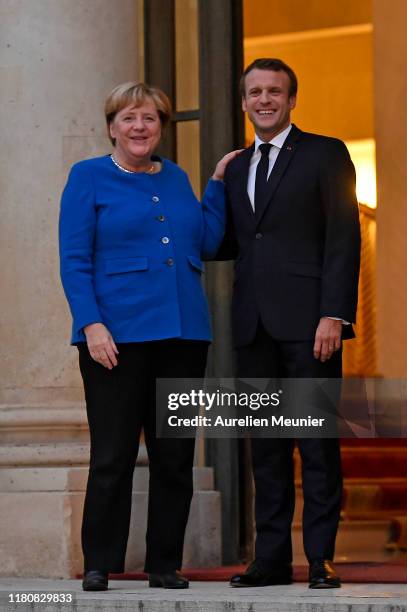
(297, 259)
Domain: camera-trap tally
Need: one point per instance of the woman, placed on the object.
(132, 236)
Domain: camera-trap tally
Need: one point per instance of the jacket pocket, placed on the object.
(297, 268)
(128, 264)
(196, 263)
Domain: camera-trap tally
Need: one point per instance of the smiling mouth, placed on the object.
(266, 113)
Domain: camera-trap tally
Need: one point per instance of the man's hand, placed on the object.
(101, 345)
(327, 338)
(221, 165)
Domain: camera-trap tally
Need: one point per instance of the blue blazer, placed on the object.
(131, 247)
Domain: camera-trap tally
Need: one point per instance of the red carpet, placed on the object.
(350, 572)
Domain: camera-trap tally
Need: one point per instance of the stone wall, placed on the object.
(58, 61)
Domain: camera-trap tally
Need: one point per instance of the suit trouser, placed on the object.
(120, 402)
(273, 467)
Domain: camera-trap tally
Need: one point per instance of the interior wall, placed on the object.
(334, 70)
(390, 53)
(266, 17)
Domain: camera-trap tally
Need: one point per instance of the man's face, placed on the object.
(267, 101)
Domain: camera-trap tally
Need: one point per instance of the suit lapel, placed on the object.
(243, 170)
(283, 160)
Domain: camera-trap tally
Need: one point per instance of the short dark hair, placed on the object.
(268, 63)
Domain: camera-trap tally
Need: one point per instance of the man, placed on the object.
(294, 230)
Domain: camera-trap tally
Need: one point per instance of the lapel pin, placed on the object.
(289, 148)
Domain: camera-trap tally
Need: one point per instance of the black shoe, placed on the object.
(322, 575)
(94, 581)
(172, 580)
(257, 575)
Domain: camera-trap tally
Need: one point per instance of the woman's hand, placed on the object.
(221, 165)
(101, 345)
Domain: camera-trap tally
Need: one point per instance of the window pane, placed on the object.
(188, 151)
(186, 54)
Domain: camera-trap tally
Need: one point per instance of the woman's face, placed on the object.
(137, 130)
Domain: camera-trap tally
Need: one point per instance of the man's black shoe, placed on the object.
(94, 581)
(257, 575)
(172, 580)
(322, 575)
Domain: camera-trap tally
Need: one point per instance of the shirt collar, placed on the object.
(277, 141)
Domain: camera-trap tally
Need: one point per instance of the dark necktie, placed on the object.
(260, 190)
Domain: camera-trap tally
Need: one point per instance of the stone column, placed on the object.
(58, 62)
(390, 53)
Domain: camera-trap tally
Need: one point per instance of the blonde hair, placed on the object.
(136, 93)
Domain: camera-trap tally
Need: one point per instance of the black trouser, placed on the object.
(120, 402)
(273, 459)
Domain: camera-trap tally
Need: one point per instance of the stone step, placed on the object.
(210, 597)
(382, 481)
(371, 497)
(74, 479)
(370, 462)
(395, 517)
(51, 454)
(373, 462)
(373, 442)
(357, 540)
(39, 423)
(41, 514)
(388, 499)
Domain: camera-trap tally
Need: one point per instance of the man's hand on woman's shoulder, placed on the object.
(221, 165)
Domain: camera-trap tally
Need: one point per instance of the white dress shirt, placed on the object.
(277, 144)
